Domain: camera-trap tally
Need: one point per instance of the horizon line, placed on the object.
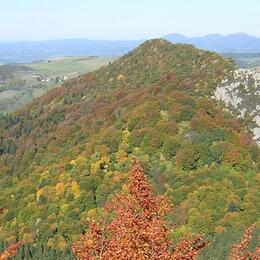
(127, 40)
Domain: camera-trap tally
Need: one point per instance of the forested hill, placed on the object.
(66, 153)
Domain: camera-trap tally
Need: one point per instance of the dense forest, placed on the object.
(66, 154)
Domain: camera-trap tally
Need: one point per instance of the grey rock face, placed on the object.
(241, 94)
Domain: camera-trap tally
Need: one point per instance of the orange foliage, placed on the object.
(245, 140)
(201, 121)
(240, 250)
(11, 250)
(232, 157)
(138, 229)
(188, 250)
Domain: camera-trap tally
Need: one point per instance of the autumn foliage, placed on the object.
(11, 250)
(137, 230)
(67, 153)
(240, 251)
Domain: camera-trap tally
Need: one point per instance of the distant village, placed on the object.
(46, 79)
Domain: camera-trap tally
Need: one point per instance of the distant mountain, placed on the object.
(26, 52)
(238, 42)
(29, 51)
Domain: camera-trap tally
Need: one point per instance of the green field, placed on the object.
(69, 66)
(245, 60)
(19, 84)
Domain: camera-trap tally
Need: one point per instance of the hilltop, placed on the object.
(66, 153)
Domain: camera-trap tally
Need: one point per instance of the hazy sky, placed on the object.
(125, 19)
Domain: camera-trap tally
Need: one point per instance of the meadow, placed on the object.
(19, 84)
(245, 60)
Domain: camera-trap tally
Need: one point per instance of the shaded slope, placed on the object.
(64, 154)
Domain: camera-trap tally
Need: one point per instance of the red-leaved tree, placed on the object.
(134, 227)
(11, 250)
(240, 251)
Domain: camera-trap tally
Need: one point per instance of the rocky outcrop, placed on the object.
(241, 94)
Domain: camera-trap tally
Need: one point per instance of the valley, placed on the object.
(245, 60)
(19, 84)
(238, 44)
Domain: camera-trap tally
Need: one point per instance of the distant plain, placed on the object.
(20, 83)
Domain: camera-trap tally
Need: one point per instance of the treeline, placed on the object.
(30, 251)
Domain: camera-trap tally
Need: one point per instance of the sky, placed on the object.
(125, 19)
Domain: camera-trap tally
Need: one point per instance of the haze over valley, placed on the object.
(31, 51)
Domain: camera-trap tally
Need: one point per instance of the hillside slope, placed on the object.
(66, 153)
